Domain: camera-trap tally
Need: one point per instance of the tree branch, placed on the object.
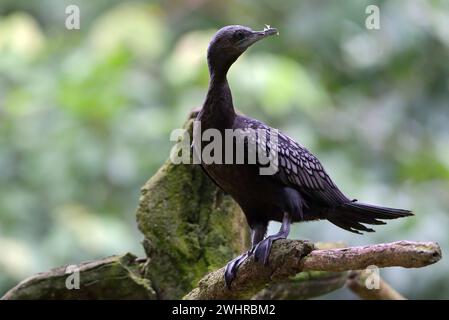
(289, 257)
(304, 285)
(116, 277)
(356, 283)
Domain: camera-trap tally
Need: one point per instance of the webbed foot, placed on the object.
(233, 266)
(263, 248)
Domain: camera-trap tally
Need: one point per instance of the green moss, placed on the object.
(190, 228)
(118, 277)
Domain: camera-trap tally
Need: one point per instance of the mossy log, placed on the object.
(117, 277)
(192, 228)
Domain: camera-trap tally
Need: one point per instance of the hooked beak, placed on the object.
(258, 35)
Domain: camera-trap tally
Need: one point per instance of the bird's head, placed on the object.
(230, 42)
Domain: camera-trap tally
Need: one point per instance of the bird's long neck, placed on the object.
(218, 109)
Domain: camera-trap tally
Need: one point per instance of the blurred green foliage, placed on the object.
(85, 115)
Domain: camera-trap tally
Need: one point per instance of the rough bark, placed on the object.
(290, 257)
(190, 227)
(406, 254)
(308, 284)
(117, 277)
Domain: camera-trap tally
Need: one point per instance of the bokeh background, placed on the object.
(85, 116)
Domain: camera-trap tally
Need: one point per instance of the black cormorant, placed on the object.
(300, 190)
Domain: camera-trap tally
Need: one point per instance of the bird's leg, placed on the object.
(257, 234)
(262, 250)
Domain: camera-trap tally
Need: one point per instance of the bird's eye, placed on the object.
(239, 35)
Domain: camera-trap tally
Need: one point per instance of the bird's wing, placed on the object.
(297, 166)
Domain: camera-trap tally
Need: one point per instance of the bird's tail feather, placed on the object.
(351, 215)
